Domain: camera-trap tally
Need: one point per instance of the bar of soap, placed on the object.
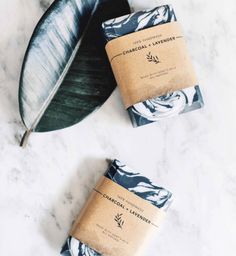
(135, 183)
(172, 104)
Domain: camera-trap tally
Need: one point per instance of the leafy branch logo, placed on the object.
(119, 221)
(152, 58)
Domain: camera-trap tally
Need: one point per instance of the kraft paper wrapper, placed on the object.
(159, 63)
(114, 230)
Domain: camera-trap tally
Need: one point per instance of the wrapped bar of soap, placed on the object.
(125, 198)
(145, 109)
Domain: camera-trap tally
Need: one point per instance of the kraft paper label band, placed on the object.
(151, 63)
(115, 222)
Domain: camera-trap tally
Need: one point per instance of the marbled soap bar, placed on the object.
(135, 183)
(172, 104)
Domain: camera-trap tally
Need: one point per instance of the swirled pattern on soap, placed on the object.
(135, 183)
(137, 21)
(155, 109)
(73, 247)
(139, 185)
(169, 105)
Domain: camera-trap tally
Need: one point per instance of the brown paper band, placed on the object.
(115, 221)
(151, 63)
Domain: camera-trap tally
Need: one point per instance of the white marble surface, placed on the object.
(43, 187)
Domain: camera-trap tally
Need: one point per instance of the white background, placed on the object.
(43, 187)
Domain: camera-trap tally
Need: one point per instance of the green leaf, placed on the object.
(65, 74)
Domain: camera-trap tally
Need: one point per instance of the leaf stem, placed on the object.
(25, 138)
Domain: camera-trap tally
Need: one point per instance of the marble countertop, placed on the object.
(43, 187)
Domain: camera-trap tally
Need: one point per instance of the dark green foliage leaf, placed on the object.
(63, 79)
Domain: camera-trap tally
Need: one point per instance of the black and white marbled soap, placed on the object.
(155, 109)
(135, 183)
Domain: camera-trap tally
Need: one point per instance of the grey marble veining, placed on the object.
(43, 187)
